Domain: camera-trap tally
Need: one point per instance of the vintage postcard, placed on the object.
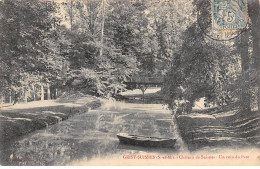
(129, 82)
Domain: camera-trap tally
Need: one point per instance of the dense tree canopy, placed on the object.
(96, 45)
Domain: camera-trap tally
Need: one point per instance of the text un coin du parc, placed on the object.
(185, 157)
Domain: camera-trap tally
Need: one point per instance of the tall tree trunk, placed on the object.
(16, 95)
(245, 61)
(25, 95)
(71, 14)
(48, 92)
(2, 99)
(254, 14)
(42, 93)
(34, 94)
(102, 28)
(10, 98)
(56, 93)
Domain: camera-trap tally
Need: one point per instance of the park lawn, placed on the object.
(20, 119)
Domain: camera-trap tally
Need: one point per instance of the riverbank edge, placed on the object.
(198, 130)
(10, 130)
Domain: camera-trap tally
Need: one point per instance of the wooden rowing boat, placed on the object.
(146, 141)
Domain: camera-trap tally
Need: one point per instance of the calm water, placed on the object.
(91, 136)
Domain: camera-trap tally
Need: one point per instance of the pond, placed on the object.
(91, 137)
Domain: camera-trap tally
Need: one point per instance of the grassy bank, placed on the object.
(226, 128)
(20, 119)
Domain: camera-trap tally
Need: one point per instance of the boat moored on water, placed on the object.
(146, 141)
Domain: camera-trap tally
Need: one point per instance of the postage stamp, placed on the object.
(229, 14)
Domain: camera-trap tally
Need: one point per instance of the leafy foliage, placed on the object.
(96, 45)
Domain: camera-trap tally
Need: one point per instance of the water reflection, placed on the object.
(92, 135)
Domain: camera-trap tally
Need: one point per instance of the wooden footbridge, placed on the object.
(143, 83)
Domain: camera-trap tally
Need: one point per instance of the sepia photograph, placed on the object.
(129, 82)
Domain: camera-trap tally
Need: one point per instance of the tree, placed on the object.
(254, 14)
(27, 49)
(202, 67)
